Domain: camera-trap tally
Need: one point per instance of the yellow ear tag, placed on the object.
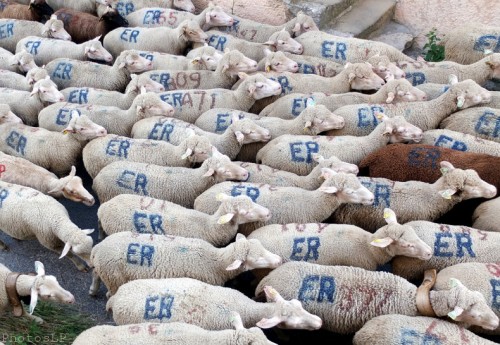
(220, 196)
(65, 132)
(380, 116)
(225, 219)
(268, 69)
(446, 194)
(194, 62)
(377, 240)
(387, 214)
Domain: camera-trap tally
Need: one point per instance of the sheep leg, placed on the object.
(37, 319)
(79, 265)
(96, 282)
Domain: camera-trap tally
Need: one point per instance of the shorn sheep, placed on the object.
(331, 244)
(486, 216)
(453, 244)
(38, 145)
(184, 184)
(398, 329)
(126, 212)
(24, 217)
(126, 256)
(191, 301)
(20, 171)
(345, 298)
(415, 200)
(39, 286)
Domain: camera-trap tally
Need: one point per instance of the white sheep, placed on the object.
(116, 121)
(478, 121)
(39, 286)
(189, 104)
(453, 244)
(288, 204)
(361, 119)
(126, 256)
(384, 68)
(314, 65)
(202, 58)
(224, 76)
(211, 17)
(239, 133)
(28, 104)
(162, 39)
(333, 244)
(89, 6)
(293, 153)
(15, 30)
(45, 50)
(68, 72)
(278, 62)
(125, 7)
(460, 141)
(88, 95)
(20, 62)
(101, 152)
(347, 297)
(396, 329)
(201, 304)
(218, 119)
(184, 184)
(393, 91)
(175, 333)
(415, 200)
(258, 32)
(20, 171)
(29, 214)
(6, 115)
(126, 212)
(346, 49)
(16, 81)
(53, 151)
(485, 216)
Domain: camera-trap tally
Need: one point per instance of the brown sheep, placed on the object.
(37, 11)
(84, 26)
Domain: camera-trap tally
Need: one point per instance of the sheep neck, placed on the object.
(479, 71)
(24, 283)
(230, 253)
(245, 100)
(439, 302)
(256, 311)
(340, 83)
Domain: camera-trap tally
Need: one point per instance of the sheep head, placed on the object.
(303, 23)
(47, 91)
(279, 62)
(71, 187)
(184, 5)
(282, 41)
(6, 115)
(401, 90)
(220, 168)
(251, 254)
(240, 210)
(54, 28)
(247, 131)
(258, 86)
(383, 67)
(234, 62)
(398, 130)
(468, 93)
(361, 76)
(83, 128)
(317, 118)
(190, 31)
(346, 187)
(335, 164)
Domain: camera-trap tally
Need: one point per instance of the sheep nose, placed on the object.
(103, 132)
(403, 75)
(61, 99)
(424, 98)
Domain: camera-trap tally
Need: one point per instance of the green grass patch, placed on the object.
(62, 324)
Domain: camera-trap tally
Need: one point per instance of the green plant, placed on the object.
(434, 52)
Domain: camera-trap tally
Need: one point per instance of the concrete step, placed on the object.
(363, 18)
(322, 11)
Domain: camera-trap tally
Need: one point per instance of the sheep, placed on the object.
(480, 276)
(332, 244)
(89, 6)
(7, 116)
(345, 298)
(175, 333)
(69, 72)
(393, 91)
(467, 44)
(114, 259)
(229, 143)
(224, 76)
(453, 244)
(125, 7)
(252, 31)
(29, 214)
(184, 184)
(415, 200)
(116, 121)
(346, 49)
(277, 62)
(204, 305)
(84, 26)
(162, 39)
(27, 104)
(37, 10)
(417, 162)
(20, 171)
(37, 144)
(478, 121)
(45, 50)
(293, 152)
(281, 41)
(39, 286)
(485, 216)
(460, 141)
(88, 95)
(287, 204)
(111, 148)
(16, 81)
(211, 17)
(18, 29)
(314, 65)
(401, 329)
(190, 104)
(202, 58)
(360, 119)
(22, 60)
(127, 212)
(438, 72)
(384, 67)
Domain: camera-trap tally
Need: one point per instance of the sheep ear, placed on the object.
(225, 218)
(239, 136)
(39, 268)
(235, 319)
(390, 97)
(225, 68)
(308, 124)
(235, 265)
(460, 101)
(251, 89)
(87, 231)
(240, 237)
(268, 323)
(447, 193)
(351, 76)
(222, 197)
(207, 17)
(34, 299)
(329, 190)
(210, 172)
(35, 90)
(196, 60)
(455, 313)
(242, 75)
(446, 167)
(390, 216)
(296, 27)
(65, 250)
(270, 44)
(143, 90)
(72, 173)
(53, 17)
(187, 154)
(317, 157)
(271, 294)
(382, 242)
(389, 77)
(122, 65)
(97, 38)
(326, 173)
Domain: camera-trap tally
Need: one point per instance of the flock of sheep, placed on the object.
(205, 139)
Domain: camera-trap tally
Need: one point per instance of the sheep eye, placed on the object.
(277, 64)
